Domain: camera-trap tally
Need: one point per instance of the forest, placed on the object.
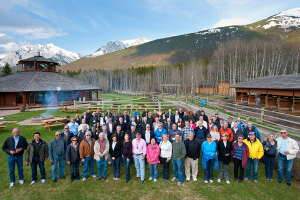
(235, 61)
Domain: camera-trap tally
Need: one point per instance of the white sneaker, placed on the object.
(94, 176)
(194, 179)
(33, 182)
(155, 180)
(11, 185)
(150, 179)
(187, 178)
(227, 182)
(219, 180)
(174, 179)
(179, 183)
(21, 182)
(211, 181)
(43, 180)
(84, 179)
(205, 181)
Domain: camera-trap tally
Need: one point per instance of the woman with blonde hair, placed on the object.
(166, 155)
(215, 134)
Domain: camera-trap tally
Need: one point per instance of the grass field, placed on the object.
(109, 189)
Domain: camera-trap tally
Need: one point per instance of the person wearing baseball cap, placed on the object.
(256, 152)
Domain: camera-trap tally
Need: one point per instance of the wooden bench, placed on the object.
(50, 122)
(142, 105)
(116, 105)
(94, 108)
(65, 109)
(2, 127)
(129, 106)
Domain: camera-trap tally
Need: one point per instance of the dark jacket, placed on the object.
(236, 134)
(127, 119)
(120, 137)
(43, 153)
(9, 145)
(145, 114)
(117, 151)
(224, 152)
(245, 153)
(143, 126)
(254, 129)
(152, 135)
(123, 126)
(204, 130)
(92, 121)
(113, 127)
(272, 149)
(185, 118)
(196, 152)
(168, 115)
(81, 135)
(71, 134)
(72, 154)
(162, 120)
(166, 126)
(216, 123)
(88, 116)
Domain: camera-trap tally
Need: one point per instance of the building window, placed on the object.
(29, 65)
(19, 98)
(43, 66)
(32, 97)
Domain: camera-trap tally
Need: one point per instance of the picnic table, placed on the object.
(142, 105)
(94, 108)
(116, 105)
(2, 127)
(60, 121)
(65, 109)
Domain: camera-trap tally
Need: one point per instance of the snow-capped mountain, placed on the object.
(287, 20)
(118, 45)
(57, 54)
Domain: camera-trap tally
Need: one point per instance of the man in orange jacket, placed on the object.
(226, 130)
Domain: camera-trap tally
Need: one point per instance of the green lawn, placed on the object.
(109, 189)
(115, 95)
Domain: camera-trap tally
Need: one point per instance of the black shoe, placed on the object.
(72, 180)
(279, 181)
(62, 177)
(104, 178)
(78, 178)
(289, 184)
(240, 181)
(235, 179)
(99, 179)
(54, 181)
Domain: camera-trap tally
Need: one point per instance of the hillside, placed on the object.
(182, 48)
(167, 50)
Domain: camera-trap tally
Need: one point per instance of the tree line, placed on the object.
(236, 61)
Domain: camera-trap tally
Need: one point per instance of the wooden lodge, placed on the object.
(276, 92)
(39, 84)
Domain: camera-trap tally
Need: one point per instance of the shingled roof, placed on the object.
(281, 82)
(38, 81)
(38, 59)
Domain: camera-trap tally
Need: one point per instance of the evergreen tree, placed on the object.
(6, 70)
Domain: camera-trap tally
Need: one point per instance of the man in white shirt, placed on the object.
(81, 125)
(148, 134)
(73, 126)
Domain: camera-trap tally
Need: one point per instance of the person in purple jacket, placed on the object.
(127, 154)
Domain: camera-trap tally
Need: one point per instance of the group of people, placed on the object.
(180, 138)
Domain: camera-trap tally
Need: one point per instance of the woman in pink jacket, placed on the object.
(152, 158)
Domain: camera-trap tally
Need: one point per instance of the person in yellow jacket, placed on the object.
(256, 152)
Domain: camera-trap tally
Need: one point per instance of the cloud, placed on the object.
(232, 21)
(14, 21)
(8, 44)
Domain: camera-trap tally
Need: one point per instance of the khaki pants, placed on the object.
(188, 162)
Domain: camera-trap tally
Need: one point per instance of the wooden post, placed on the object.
(218, 104)
(207, 102)
(278, 102)
(74, 103)
(293, 106)
(102, 105)
(97, 94)
(162, 93)
(27, 107)
(236, 109)
(247, 120)
(262, 115)
(131, 105)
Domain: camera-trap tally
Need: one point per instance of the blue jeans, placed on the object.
(74, 170)
(248, 168)
(140, 166)
(178, 169)
(11, 166)
(101, 163)
(127, 165)
(88, 163)
(61, 161)
(289, 165)
(35, 162)
(153, 170)
(208, 172)
(116, 166)
(269, 163)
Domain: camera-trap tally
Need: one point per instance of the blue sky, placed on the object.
(83, 26)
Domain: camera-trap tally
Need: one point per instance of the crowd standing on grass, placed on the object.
(156, 138)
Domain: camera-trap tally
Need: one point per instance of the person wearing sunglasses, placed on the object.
(67, 134)
(240, 154)
(287, 148)
(224, 148)
(270, 146)
(73, 158)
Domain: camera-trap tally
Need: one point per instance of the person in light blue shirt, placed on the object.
(73, 126)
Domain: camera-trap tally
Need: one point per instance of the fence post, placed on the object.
(102, 105)
(262, 115)
(247, 119)
(207, 101)
(159, 105)
(218, 104)
(236, 109)
(179, 103)
(74, 103)
(131, 105)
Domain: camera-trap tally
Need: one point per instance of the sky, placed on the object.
(83, 26)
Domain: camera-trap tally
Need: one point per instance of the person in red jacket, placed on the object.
(226, 130)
